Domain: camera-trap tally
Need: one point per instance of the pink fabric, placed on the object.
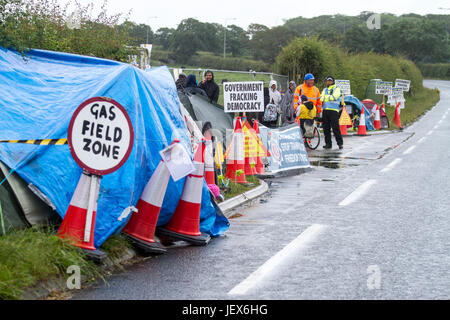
(214, 189)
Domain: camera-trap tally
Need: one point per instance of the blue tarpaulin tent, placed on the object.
(350, 99)
(38, 94)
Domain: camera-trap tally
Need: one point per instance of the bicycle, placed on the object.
(312, 141)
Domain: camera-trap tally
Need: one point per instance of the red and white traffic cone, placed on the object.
(142, 225)
(396, 119)
(185, 222)
(78, 225)
(343, 129)
(362, 124)
(259, 164)
(235, 156)
(210, 176)
(377, 119)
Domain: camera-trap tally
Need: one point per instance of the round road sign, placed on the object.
(100, 135)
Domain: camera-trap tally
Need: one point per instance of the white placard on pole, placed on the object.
(344, 85)
(383, 87)
(243, 96)
(404, 84)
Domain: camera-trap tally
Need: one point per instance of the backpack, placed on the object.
(309, 129)
(271, 113)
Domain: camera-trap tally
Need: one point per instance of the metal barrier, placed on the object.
(221, 76)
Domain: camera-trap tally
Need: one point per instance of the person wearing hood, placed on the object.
(287, 104)
(274, 94)
(210, 87)
(191, 86)
(181, 82)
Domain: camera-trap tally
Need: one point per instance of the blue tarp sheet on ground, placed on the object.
(355, 101)
(38, 94)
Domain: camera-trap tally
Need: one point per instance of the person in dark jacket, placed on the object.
(191, 86)
(181, 82)
(210, 87)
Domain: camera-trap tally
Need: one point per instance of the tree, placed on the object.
(266, 45)
(357, 39)
(237, 40)
(163, 36)
(139, 33)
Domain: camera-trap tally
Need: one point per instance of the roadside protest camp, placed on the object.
(357, 105)
(39, 92)
(370, 105)
(204, 111)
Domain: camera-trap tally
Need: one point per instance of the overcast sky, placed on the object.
(168, 13)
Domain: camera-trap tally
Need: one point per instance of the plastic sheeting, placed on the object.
(38, 94)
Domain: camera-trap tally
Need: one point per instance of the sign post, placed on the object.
(384, 88)
(344, 85)
(243, 96)
(100, 138)
(403, 84)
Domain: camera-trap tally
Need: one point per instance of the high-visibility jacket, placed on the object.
(331, 97)
(312, 93)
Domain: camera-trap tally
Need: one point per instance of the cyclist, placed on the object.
(309, 90)
(307, 112)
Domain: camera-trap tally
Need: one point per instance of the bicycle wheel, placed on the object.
(313, 142)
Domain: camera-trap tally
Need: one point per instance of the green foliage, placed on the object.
(435, 70)
(321, 58)
(28, 256)
(218, 62)
(44, 24)
(266, 44)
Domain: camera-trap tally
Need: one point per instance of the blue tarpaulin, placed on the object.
(38, 94)
(350, 99)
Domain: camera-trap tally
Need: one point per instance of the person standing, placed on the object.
(181, 82)
(210, 87)
(330, 99)
(310, 90)
(287, 104)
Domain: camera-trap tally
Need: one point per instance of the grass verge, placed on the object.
(237, 188)
(415, 106)
(32, 255)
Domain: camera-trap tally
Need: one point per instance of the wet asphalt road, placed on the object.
(369, 222)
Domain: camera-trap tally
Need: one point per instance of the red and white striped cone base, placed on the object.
(362, 131)
(185, 222)
(79, 221)
(235, 159)
(377, 119)
(142, 225)
(210, 176)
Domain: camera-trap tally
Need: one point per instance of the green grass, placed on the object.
(415, 106)
(237, 189)
(34, 254)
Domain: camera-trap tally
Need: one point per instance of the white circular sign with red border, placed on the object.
(100, 135)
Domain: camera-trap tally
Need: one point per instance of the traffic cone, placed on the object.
(235, 155)
(210, 176)
(343, 130)
(76, 226)
(377, 119)
(259, 164)
(249, 154)
(185, 222)
(396, 119)
(141, 227)
(362, 124)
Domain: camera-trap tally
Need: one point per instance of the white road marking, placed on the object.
(409, 150)
(391, 165)
(440, 121)
(435, 127)
(422, 140)
(429, 132)
(301, 242)
(358, 193)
